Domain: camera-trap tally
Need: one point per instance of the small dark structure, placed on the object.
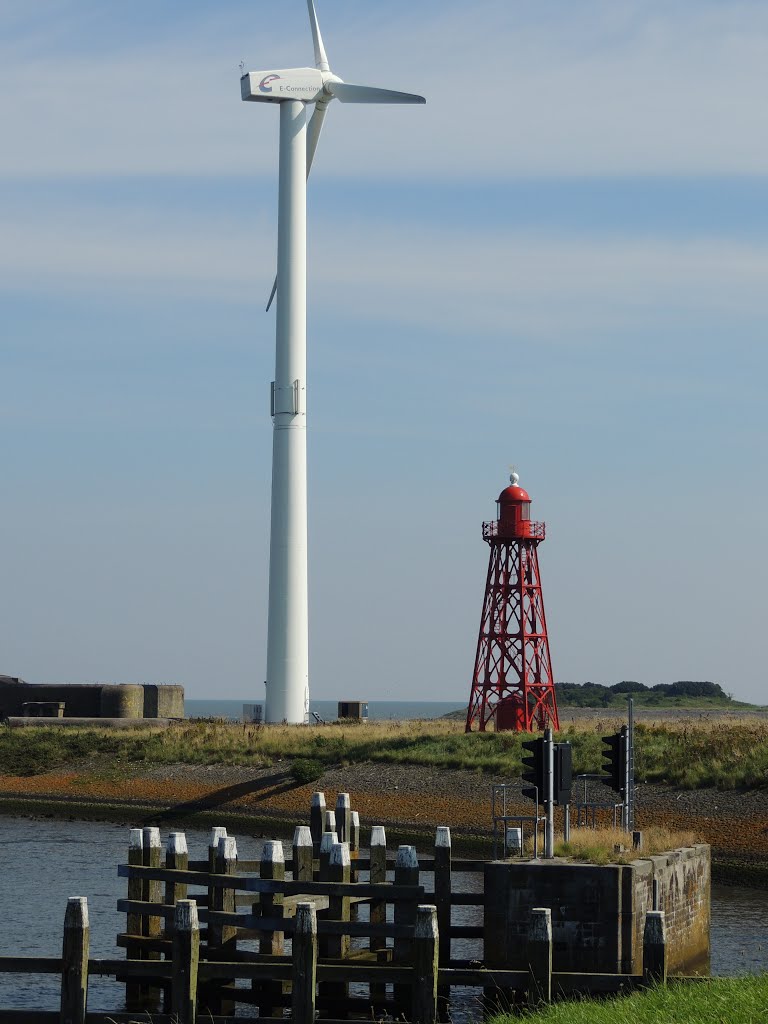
(89, 700)
(354, 710)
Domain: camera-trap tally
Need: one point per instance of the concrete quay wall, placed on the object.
(598, 911)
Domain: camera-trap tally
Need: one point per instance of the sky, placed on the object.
(560, 262)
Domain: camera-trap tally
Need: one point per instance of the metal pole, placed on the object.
(287, 697)
(630, 780)
(549, 794)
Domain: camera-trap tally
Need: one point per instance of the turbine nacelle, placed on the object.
(304, 84)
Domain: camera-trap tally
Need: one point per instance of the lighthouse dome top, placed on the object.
(513, 493)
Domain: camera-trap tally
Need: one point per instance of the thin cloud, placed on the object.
(597, 88)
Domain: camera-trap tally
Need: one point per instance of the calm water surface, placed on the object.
(44, 862)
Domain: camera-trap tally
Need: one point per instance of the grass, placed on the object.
(609, 845)
(728, 754)
(715, 1001)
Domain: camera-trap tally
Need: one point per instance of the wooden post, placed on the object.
(214, 933)
(378, 911)
(354, 855)
(152, 853)
(134, 922)
(303, 854)
(326, 845)
(177, 859)
(303, 997)
(343, 817)
(272, 865)
(317, 819)
(330, 822)
(637, 840)
(540, 956)
(654, 949)
(224, 900)
(406, 873)
(443, 884)
(337, 946)
(74, 961)
(186, 956)
(425, 958)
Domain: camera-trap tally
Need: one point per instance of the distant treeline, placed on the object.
(588, 695)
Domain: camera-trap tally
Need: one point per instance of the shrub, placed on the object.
(305, 770)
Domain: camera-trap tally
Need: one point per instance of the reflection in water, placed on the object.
(44, 862)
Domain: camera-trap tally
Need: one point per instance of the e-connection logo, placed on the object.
(264, 85)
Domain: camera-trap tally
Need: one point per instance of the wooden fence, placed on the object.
(367, 939)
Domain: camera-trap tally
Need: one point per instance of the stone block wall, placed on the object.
(598, 912)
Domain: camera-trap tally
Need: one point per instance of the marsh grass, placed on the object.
(713, 1001)
(727, 754)
(599, 846)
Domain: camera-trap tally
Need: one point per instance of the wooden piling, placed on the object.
(152, 854)
(303, 854)
(330, 822)
(317, 819)
(655, 948)
(303, 996)
(443, 883)
(540, 956)
(134, 924)
(343, 817)
(378, 908)
(225, 935)
(271, 865)
(425, 965)
(186, 957)
(337, 946)
(176, 859)
(406, 873)
(74, 961)
(326, 845)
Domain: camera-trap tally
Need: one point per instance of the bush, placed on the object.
(305, 770)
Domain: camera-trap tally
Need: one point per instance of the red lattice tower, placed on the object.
(512, 686)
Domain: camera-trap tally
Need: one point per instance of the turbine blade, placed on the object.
(314, 128)
(321, 61)
(346, 93)
(272, 295)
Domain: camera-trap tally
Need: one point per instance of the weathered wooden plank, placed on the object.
(466, 931)
(30, 964)
(385, 890)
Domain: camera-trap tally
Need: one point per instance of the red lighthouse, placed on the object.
(512, 686)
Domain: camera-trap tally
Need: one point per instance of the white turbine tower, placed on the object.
(287, 697)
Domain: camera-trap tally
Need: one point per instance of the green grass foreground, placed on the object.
(728, 754)
(717, 1001)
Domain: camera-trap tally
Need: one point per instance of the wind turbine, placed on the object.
(287, 697)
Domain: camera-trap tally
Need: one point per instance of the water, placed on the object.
(44, 862)
(378, 710)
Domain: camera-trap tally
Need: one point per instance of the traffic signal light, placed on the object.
(535, 774)
(563, 774)
(615, 757)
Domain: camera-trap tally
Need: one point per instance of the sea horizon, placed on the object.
(378, 710)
